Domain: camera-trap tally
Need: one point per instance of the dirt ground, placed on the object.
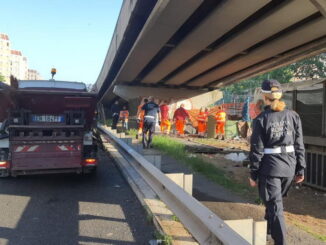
(230, 144)
(305, 207)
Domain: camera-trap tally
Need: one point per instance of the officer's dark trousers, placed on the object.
(271, 191)
(148, 131)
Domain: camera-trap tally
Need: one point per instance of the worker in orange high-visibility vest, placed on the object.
(124, 117)
(180, 116)
(202, 122)
(220, 123)
(165, 121)
(140, 118)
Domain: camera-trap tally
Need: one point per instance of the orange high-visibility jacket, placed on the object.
(220, 116)
(140, 112)
(202, 117)
(124, 114)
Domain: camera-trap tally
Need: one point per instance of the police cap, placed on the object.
(267, 86)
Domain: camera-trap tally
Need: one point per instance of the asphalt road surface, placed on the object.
(71, 209)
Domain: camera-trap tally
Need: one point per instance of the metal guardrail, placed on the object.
(315, 174)
(206, 227)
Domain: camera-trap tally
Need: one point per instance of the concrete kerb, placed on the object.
(157, 211)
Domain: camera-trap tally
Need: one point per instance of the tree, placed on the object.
(283, 75)
(2, 78)
(310, 68)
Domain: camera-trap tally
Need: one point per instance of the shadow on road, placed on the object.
(71, 209)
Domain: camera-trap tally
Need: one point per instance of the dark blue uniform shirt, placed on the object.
(151, 110)
(115, 109)
(277, 129)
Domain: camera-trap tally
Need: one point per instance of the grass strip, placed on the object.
(177, 150)
(132, 132)
(308, 230)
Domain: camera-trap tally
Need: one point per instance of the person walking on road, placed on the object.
(124, 117)
(151, 114)
(180, 116)
(115, 110)
(277, 156)
(220, 123)
(165, 121)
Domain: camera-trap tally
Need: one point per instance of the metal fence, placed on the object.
(315, 174)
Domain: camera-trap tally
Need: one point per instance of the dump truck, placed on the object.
(47, 127)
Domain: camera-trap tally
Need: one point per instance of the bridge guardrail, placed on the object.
(202, 223)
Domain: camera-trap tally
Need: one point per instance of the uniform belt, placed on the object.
(150, 117)
(278, 150)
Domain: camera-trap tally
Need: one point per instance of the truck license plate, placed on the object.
(47, 118)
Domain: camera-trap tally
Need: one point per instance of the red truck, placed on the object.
(47, 127)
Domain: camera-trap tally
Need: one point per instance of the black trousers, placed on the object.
(271, 191)
(115, 119)
(148, 131)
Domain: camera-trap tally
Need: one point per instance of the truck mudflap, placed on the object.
(45, 155)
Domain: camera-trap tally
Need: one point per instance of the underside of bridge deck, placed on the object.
(207, 44)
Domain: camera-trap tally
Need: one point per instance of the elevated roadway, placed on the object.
(201, 45)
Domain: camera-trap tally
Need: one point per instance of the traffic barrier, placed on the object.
(202, 223)
(128, 141)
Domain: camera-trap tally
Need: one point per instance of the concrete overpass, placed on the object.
(194, 46)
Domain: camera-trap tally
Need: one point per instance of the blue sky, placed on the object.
(70, 35)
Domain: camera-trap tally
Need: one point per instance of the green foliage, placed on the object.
(283, 75)
(310, 68)
(109, 122)
(165, 239)
(313, 67)
(177, 150)
(2, 78)
(175, 218)
(132, 132)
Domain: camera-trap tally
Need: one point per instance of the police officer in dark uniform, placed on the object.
(152, 112)
(115, 110)
(277, 156)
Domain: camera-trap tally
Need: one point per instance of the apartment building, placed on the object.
(12, 62)
(33, 75)
(19, 67)
(5, 56)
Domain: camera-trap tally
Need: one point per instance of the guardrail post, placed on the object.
(260, 234)
(182, 180)
(128, 141)
(156, 160)
(138, 148)
(244, 227)
(121, 135)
